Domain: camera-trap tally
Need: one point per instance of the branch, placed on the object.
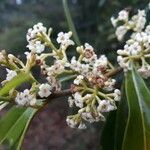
(114, 72)
(60, 94)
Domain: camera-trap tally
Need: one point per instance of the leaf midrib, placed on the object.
(141, 108)
(129, 112)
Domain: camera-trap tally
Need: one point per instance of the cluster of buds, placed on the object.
(136, 23)
(137, 48)
(93, 92)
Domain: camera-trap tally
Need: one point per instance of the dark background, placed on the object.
(48, 130)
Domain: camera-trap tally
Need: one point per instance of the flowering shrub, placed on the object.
(92, 92)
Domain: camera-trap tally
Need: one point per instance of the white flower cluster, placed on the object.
(135, 23)
(35, 45)
(28, 97)
(25, 98)
(91, 107)
(45, 90)
(64, 39)
(137, 48)
(93, 92)
(88, 85)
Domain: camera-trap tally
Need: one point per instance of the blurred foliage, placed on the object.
(91, 18)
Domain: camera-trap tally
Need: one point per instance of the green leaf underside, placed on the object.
(121, 120)
(15, 82)
(132, 125)
(137, 133)
(108, 132)
(115, 125)
(14, 125)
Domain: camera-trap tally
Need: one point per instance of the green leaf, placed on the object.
(15, 82)
(113, 130)
(70, 22)
(129, 129)
(137, 132)
(108, 132)
(121, 120)
(14, 125)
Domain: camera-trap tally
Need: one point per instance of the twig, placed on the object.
(114, 72)
(53, 96)
(60, 94)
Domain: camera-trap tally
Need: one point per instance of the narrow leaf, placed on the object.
(121, 120)
(70, 22)
(15, 82)
(13, 125)
(113, 130)
(137, 133)
(108, 133)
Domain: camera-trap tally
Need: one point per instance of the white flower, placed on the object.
(10, 74)
(100, 64)
(28, 55)
(89, 54)
(92, 116)
(123, 52)
(109, 84)
(144, 71)
(135, 48)
(82, 126)
(64, 38)
(105, 106)
(131, 48)
(120, 32)
(85, 68)
(123, 15)
(75, 65)
(78, 99)
(147, 30)
(54, 83)
(78, 80)
(117, 95)
(114, 21)
(44, 90)
(71, 122)
(70, 101)
(2, 58)
(123, 63)
(139, 20)
(88, 117)
(36, 46)
(25, 98)
(33, 32)
(57, 68)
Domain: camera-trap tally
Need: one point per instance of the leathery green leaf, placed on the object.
(137, 132)
(113, 130)
(108, 132)
(13, 127)
(15, 82)
(121, 120)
